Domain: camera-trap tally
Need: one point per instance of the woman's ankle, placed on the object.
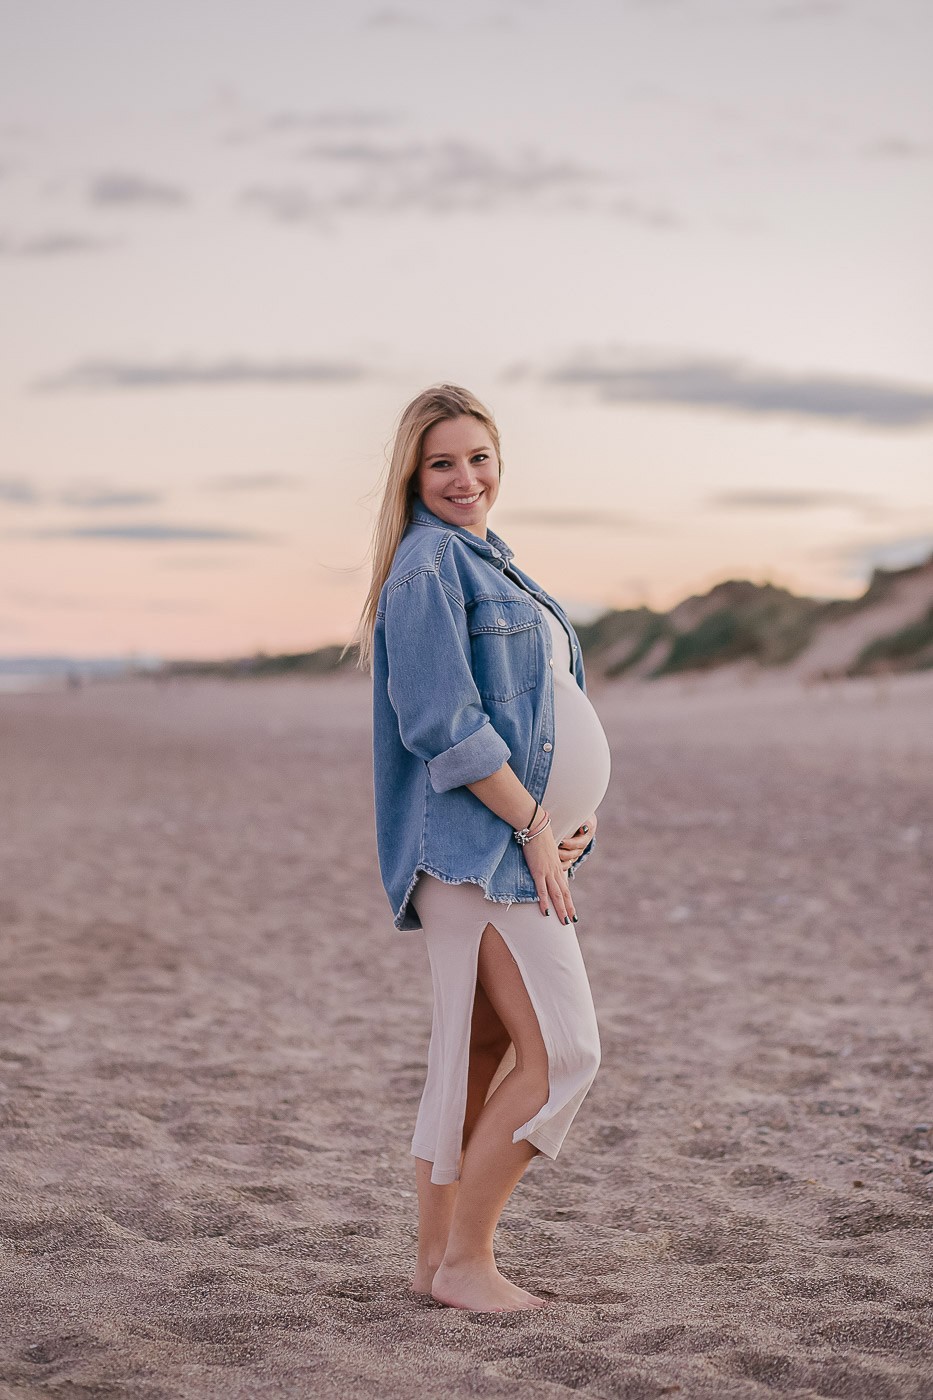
(480, 1258)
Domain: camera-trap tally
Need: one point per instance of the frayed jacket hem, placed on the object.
(407, 918)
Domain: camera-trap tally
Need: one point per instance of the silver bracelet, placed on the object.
(525, 834)
(521, 832)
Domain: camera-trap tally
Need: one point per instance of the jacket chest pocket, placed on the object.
(504, 646)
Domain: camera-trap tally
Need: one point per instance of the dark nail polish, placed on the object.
(548, 912)
(566, 918)
(575, 919)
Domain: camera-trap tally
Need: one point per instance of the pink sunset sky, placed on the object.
(680, 249)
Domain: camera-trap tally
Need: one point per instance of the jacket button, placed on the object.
(501, 622)
(550, 661)
(548, 747)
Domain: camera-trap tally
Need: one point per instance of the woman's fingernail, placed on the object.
(548, 912)
(566, 918)
(585, 827)
(575, 919)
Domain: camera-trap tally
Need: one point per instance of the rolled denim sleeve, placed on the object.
(431, 686)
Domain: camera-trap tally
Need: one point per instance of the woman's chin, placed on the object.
(464, 515)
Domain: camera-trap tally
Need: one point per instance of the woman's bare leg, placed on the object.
(489, 1041)
(492, 1163)
(435, 1209)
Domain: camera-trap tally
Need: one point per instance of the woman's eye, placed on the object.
(444, 463)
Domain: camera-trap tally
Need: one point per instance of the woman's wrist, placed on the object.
(538, 827)
(504, 793)
(537, 824)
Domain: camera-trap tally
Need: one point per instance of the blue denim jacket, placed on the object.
(462, 683)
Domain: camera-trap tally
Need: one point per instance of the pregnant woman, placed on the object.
(489, 763)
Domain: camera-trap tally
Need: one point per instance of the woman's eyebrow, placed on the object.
(451, 454)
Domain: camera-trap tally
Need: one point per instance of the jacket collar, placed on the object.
(493, 547)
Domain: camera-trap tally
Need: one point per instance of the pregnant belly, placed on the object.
(581, 765)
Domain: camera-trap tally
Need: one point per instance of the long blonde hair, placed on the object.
(432, 405)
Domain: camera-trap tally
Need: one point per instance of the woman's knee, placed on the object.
(489, 1038)
(504, 985)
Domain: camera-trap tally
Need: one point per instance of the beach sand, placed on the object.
(212, 1046)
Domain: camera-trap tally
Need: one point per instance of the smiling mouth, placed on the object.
(465, 500)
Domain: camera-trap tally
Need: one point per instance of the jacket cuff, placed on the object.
(479, 755)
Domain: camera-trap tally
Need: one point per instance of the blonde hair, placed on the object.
(432, 405)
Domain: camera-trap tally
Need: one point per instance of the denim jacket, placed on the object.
(462, 683)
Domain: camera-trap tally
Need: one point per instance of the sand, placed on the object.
(212, 1045)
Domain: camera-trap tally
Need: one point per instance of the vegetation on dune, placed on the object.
(760, 621)
(304, 663)
(736, 620)
(655, 628)
(909, 649)
(633, 631)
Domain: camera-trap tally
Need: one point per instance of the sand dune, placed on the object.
(212, 1044)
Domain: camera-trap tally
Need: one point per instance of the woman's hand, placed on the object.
(572, 846)
(543, 859)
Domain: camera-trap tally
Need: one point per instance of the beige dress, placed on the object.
(546, 951)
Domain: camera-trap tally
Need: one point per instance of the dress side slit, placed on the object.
(551, 965)
(454, 916)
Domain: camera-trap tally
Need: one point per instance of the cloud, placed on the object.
(368, 155)
(327, 118)
(186, 374)
(17, 491)
(359, 168)
(434, 177)
(34, 598)
(861, 556)
(899, 148)
(106, 497)
(288, 204)
(149, 533)
(87, 496)
(651, 215)
(291, 121)
(792, 500)
(738, 387)
(391, 18)
(122, 189)
(598, 519)
(56, 245)
(807, 9)
(255, 481)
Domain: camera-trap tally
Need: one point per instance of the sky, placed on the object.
(680, 249)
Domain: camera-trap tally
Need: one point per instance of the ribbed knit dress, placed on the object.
(547, 952)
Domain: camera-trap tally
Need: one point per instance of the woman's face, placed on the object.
(459, 473)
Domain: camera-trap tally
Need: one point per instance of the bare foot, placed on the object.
(424, 1277)
(480, 1287)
